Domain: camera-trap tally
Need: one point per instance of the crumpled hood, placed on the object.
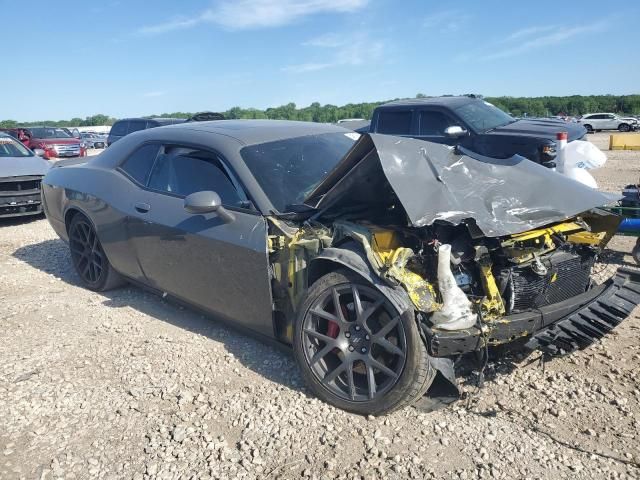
(23, 166)
(435, 183)
(541, 128)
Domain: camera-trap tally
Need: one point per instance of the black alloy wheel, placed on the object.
(624, 127)
(354, 342)
(89, 259)
(86, 252)
(355, 350)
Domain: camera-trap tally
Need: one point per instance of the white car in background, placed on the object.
(594, 122)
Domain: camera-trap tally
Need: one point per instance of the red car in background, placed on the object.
(55, 141)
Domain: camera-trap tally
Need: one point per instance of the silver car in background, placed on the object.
(594, 122)
(93, 140)
(21, 172)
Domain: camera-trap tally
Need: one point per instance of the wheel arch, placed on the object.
(72, 212)
(350, 256)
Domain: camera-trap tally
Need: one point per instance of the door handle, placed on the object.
(142, 207)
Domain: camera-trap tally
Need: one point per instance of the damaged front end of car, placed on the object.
(480, 251)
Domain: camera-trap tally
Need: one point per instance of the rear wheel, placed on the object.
(89, 260)
(624, 127)
(356, 351)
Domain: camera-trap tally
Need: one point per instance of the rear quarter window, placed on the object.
(138, 165)
(394, 123)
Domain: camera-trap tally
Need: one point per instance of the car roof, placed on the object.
(452, 102)
(251, 132)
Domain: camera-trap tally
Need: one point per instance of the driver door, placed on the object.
(220, 266)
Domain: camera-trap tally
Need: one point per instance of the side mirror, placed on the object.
(455, 131)
(207, 202)
(39, 152)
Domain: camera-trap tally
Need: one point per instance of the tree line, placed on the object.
(518, 106)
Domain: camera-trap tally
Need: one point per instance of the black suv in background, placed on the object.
(474, 124)
(126, 126)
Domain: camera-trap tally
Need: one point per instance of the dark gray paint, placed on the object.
(214, 265)
(222, 267)
(435, 183)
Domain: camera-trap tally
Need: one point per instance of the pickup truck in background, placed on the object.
(474, 124)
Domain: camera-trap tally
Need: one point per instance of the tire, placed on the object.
(589, 128)
(624, 127)
(342, 356)
(635, 253)
(89, 260)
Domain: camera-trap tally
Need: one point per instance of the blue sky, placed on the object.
(73, 58)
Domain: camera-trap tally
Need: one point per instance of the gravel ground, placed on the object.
(126, 385)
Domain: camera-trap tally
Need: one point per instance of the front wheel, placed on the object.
(356, 351)
(89, 260)
(624, 127)
(635, 253)
(589, 128)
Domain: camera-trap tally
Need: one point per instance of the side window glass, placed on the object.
(183, 171)
(135, 125)
(394, 123)
(433, 123)
(138, 165)
(119, 129)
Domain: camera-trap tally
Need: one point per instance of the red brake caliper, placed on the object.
(332, 328)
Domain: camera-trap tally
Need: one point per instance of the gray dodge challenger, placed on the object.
(380, 260)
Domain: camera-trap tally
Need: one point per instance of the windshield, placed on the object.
(483, 116)
(12, 148)
(287, 170)
(49, 133)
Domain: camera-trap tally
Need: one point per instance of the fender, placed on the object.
(351, 256)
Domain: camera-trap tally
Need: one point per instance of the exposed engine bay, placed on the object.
(451, 278)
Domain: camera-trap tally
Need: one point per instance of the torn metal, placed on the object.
(439, 184)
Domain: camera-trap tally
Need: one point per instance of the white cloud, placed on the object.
(527, 32)
(177, 24)
(344, 51)
(446, 21)
(534, 38)
(247, 14)
(328, 40)
(308, 67)
(156, 93)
